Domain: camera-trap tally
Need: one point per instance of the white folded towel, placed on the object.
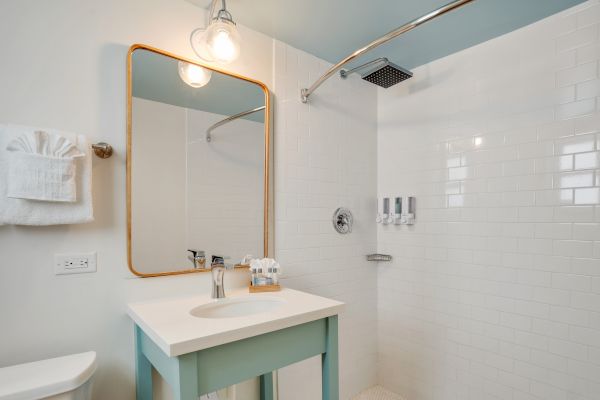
(41, 166)
(18, 211)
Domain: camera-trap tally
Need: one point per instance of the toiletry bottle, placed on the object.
(253, 272)
(260, 279)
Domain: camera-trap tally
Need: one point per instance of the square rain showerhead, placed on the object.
(387, 75)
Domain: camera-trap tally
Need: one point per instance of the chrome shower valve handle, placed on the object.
(343, 220)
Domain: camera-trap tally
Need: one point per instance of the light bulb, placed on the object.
(194, 75)
(223, 41)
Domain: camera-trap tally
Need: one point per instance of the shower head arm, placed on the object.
(305, 93)
(345, 72)
(229, 119)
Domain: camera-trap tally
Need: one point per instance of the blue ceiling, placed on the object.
(332, 29)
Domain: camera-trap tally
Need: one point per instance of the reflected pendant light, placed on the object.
(194, 75)
(220, 41)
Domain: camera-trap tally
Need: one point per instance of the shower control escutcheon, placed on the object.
(342, 220)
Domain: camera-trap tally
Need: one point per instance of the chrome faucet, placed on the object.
(218, 267)
(198, 257)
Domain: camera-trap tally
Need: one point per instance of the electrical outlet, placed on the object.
(75, 263)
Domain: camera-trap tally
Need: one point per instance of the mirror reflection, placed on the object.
(197, 165)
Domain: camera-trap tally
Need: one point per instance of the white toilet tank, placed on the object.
(62, 378)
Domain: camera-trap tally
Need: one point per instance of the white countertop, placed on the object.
(170, 325)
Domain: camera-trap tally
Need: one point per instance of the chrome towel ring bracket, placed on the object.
(102, 150)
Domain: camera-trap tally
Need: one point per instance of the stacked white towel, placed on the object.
(44, 188)
(41, 166)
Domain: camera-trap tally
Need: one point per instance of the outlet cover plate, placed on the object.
(74, 263)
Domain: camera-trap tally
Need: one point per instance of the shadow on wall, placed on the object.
(105, 173)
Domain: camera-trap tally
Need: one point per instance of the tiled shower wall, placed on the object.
(325, 157)
(495, 292)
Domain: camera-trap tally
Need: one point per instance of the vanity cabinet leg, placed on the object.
(143, 371)
(266, 386)
(329, 360)
(188, 388)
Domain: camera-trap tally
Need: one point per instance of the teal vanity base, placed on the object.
(205, 371)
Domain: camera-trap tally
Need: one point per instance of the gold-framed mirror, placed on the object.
(198, 164)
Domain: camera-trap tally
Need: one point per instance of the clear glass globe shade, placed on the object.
(194, 75)
(223, 41)
(199, 45)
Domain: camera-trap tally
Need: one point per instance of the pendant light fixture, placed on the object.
(220, 41)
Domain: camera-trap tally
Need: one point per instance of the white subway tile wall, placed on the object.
(325, 157)
(495, 292)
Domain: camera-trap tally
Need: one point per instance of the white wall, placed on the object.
(202, 195)
(63, 66)
(325, 157)
(495, 292)
(225, 186)
(159, 190)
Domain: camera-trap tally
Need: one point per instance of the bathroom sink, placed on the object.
(237, 307)
(186, 324)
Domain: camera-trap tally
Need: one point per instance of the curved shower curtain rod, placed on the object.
(229, 119)
(305, 93)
